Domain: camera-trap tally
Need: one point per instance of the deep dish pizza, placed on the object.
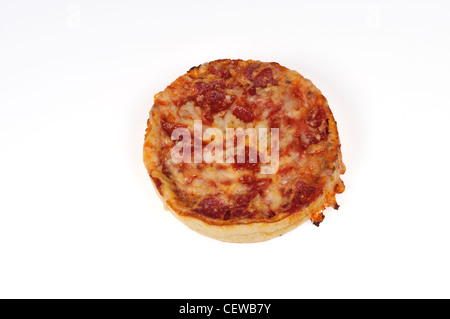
(243, 151)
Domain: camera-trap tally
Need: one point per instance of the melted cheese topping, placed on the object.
(243, 94)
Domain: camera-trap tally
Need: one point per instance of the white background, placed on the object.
(79, 217)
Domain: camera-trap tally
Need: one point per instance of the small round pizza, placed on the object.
(243, 151)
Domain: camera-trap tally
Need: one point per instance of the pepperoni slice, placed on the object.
(243, 114)
(304, 195)
(316, 117)
(263, 78)
(201, 87)
(313, 129)
(212, 98)
(212, 207)
(250, 69)
(220, 71)
(169, 127)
